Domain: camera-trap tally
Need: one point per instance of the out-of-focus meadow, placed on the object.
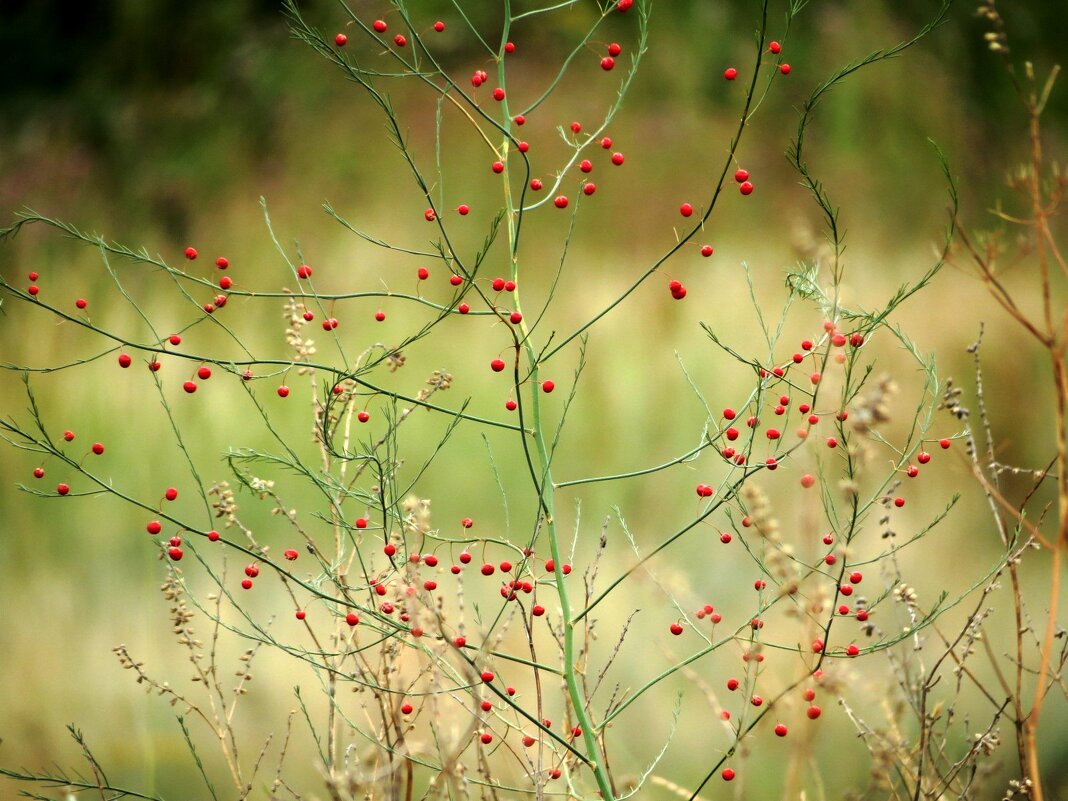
(161, 124)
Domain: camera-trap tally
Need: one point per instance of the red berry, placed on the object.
(756, 700)
(399, 40)
(171, 494)
(899, 502)
(498, 94)
(741, 176)
(509, 47)
(465, 557)
(352, 618)
(463, 209)
(456, 280)
(463, 308)
(728, 774)
(784, 69)
(430, 215)
(363, 416)
(944, 444)
(608, 63)
(730, 73)
(488, 569)
(852, 650)
(190, 253)
(808, 480)
(380, 315)
(124, 360)
(497, 365)
(38, 472)
(817, 646)
(486, 738)
(746, 188)
(523, 147)
(98, 448)
(519, 119)
(379, 25)
(406, 709)
(912, 471)
(686, 209)
(154, 527)
(283, 391)
(560, 202)
(439, 26)
(62, 489)
(586, 165)
(33, 289)
(725, 537)
(547, 386)
(175, 339)
(300, 614)
(204, 372)
(614, 49)
(174, 553)
(423, 273)
(81, 303)
(814, 712)
(536, 184)
(213, 535)
(537, 610)
(487, 676)
(246, 584)
(676, 629)
(341, 40)
(809, 694)
(623, 6)
(33, 276)
(923, 457)
(775, 48)
(515, 318)
(304, 271)
(361, 522)
(707, 251)
(780, 730)
(290, 554)
(510, 405)
(497, 167)
(222, 262)
(617, 158)
(390, 549)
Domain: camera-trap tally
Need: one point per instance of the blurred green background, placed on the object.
(160, 123)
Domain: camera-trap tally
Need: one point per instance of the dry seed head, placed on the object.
(416, 513)
(756, 502)
(873, 408)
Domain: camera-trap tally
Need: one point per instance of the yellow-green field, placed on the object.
(180, 155)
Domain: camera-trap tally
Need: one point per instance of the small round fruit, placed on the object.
(283, 391)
